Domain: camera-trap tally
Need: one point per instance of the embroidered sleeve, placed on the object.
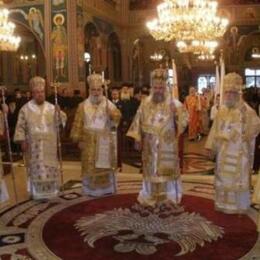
(182, 119)
(63, 118)
(20, 130)
(116, 114)
(78, 124)
(211, 140)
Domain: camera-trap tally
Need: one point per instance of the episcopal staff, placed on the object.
(92, 130)
(36, 131)
(3, 190)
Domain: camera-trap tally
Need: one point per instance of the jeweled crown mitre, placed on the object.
(95, 80)
(232, 82)
(159, 77)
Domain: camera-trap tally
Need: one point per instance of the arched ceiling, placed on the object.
(149, 4)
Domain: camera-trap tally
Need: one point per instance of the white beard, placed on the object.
(95, 100)
(230, 103)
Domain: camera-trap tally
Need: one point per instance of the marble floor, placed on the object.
(72, 171)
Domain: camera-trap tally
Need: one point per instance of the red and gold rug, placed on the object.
(74, 227)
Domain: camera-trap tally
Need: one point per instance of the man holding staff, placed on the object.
(36, 131)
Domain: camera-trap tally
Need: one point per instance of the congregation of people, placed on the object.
(149, 121)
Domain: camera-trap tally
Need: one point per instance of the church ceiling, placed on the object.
(144, 4)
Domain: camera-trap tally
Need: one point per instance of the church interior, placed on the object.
(167, 186)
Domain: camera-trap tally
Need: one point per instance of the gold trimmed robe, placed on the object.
(37, 126)
(232, 139)
(157, 129)
(92, 128)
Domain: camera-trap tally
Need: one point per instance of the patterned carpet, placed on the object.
(74, 227)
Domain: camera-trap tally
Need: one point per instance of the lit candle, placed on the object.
(103, 76)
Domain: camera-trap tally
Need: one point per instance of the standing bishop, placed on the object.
(36, 131)
(232, 139)
(95, 120)
(159, 121)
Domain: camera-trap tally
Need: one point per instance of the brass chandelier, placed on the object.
(8, 41)
(193, 24)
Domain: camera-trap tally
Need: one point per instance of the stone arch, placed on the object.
(246, 44)
(91, 35)
(114, 57)
(16, 70)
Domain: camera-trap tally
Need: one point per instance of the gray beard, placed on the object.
(230, 104)
(158, 98)
(95, 100)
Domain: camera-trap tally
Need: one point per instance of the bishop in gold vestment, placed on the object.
(94, 129)
(3, 190)
(36, 131)
(232, 139)
(157, 124)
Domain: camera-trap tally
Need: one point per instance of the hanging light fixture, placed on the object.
(197, 47)
(188, 21)
(206, 57)
(255, 53)
(157, 57)
(8, 41)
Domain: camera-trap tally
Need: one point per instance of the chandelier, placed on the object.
(188, 22)
(156, 57)
(8, 41)
(197, 47)
(206, 57)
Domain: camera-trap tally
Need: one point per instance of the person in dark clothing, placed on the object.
(76, 99)
(19, 100)
(115, 98)
(12, 117)
(51, 97)
(27, 96)
(136, 100)
(127, 106)
(65, 100)
(131, 90)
